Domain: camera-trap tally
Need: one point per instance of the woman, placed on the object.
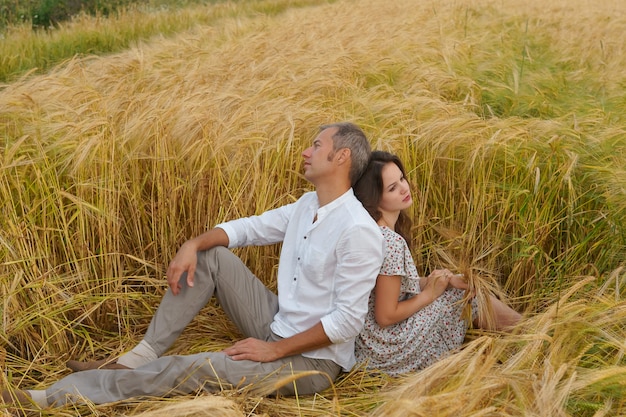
(412, 322)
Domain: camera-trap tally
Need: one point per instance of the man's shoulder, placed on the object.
(356, 215)
(308, 196)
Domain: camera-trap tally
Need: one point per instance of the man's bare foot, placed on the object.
(78, 366)
(16, 397)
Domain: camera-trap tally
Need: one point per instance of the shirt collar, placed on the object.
(339, 201)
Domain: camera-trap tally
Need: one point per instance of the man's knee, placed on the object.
(220, 261)
(206, 267)
(215, 264)
(215, 256)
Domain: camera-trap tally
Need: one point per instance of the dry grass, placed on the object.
(24, 50)
(564, 361)
(510, 118)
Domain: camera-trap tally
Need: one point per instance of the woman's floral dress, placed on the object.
(421, 339)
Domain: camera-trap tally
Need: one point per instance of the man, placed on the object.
(331, 254)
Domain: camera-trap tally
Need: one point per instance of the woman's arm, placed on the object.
(388, 310)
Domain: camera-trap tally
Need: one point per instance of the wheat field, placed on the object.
(509, 117)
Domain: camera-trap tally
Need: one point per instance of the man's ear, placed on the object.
(343, 155)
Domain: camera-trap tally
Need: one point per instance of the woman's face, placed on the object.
(396, 193)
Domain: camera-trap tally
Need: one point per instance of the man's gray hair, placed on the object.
(351, 136)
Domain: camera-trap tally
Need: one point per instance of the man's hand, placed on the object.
(253, 350)
(185, 261)
(186, 258)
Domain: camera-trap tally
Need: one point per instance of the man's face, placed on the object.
(319, 158)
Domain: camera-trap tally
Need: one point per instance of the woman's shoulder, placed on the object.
(391, 235)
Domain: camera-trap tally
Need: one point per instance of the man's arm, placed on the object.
(266, 228)
(186, 258)
(260, 351)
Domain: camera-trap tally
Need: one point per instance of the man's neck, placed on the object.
(328, 194)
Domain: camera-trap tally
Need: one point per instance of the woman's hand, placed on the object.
(442, 279)
(457, 281)
(438, 282)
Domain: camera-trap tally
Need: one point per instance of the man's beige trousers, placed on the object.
(246, 301)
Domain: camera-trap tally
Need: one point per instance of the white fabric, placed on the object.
(327, 268)
(139, 355)
(39, 397)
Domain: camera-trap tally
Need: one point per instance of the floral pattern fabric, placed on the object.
(421, 339)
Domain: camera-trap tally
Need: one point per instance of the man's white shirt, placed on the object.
(327, 267)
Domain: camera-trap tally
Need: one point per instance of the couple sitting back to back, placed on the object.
(330, 260)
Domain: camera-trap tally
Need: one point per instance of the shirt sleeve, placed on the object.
(359, 256)
(265, 229)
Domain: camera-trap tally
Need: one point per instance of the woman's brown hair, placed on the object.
(369, 190)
